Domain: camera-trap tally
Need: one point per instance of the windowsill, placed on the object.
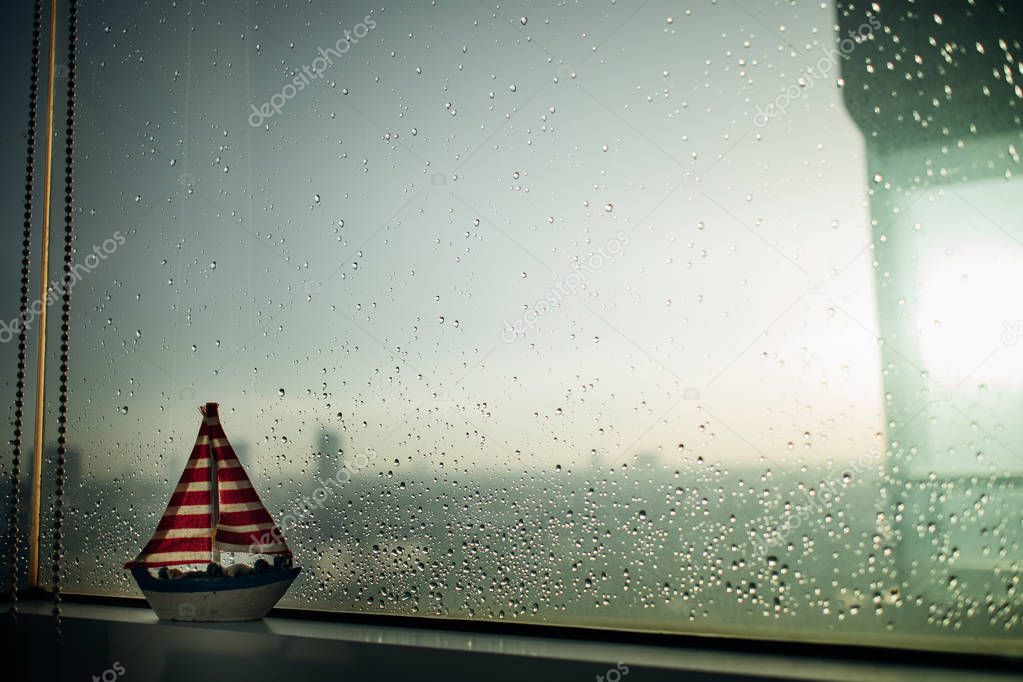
(134, 637)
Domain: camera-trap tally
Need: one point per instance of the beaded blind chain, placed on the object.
(14, 531)
(65, 318)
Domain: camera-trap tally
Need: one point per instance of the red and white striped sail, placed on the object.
(186, 533)
(243, 523)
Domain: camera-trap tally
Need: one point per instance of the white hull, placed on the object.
(216, 605)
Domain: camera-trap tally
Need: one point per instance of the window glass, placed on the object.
(628, 315)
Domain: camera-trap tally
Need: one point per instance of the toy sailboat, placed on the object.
(214, 508)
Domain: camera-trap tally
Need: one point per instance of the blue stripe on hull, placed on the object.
(149, 583)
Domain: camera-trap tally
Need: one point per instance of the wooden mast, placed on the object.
(214, 502)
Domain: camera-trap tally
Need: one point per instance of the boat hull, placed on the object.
(223, 599)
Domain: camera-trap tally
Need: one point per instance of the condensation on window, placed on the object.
(690, 318)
